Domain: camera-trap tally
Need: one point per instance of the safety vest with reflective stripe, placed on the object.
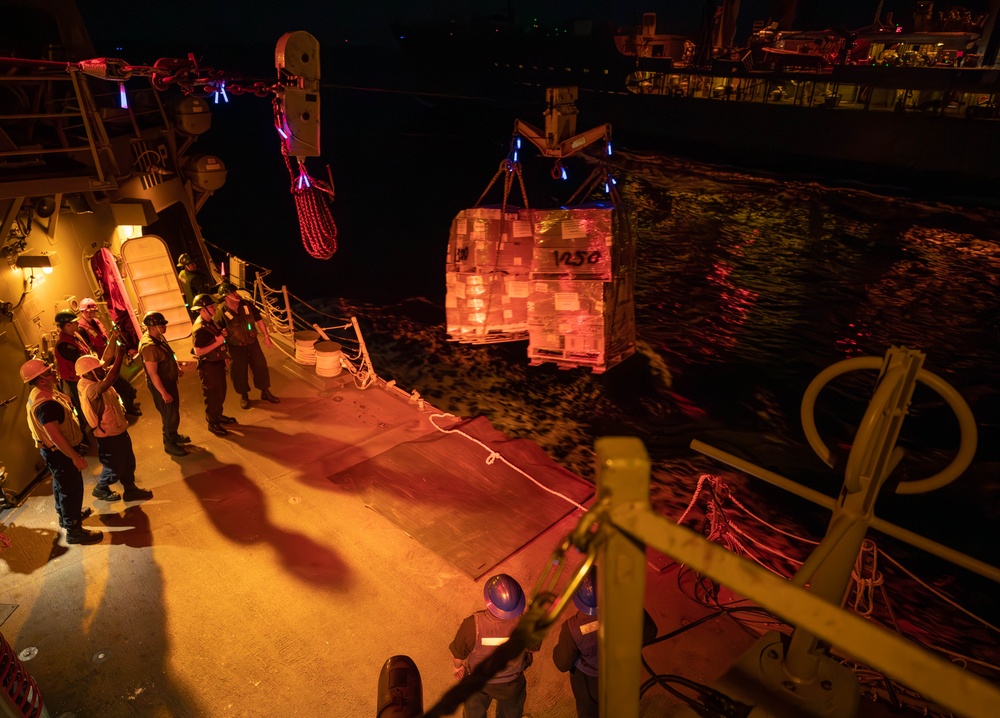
(490, 633)
(66, 367)
(112, 421)
(583, 628)
(69, 426)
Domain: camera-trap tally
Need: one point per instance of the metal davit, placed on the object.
(779, 677)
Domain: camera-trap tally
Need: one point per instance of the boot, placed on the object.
(85, 513)
(227, 419)
(244, 401)
(174, 450)
(105, 493)
(78, 534)
(134, 493)
(217, 428)
(266, 395)
(182, 439)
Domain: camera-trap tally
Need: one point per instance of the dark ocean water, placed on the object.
(747, 286)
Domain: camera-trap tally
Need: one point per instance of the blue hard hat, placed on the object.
(585, 597)
(504, 597)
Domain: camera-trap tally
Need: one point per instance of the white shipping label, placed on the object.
(518, 290)
(573, 229)
(521, 228)
(567, 302)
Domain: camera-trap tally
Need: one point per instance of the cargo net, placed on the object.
(882, 590)
(312, 202)
(561, 278)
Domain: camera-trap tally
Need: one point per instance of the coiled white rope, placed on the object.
(492, 456)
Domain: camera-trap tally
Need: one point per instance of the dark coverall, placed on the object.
(193, 283)
(211, 368)
(576, 653)
(67, 481)
(159, 351)
(476, 639)
(244, 349)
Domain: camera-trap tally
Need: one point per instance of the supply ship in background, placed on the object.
(261, 554)
(911, 102)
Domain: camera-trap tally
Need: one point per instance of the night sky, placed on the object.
(204, 22)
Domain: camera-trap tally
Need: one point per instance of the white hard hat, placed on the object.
(86, 364)
(32, 369)
(87, 303)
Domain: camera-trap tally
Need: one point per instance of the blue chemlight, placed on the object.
(123, 97)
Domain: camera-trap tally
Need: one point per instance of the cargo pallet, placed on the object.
(491, 337)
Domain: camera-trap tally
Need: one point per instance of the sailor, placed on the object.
(210, 348)
(193, 282)
(242, 322)
(576, 651)
(56, 431)
(478, 637)
(97, 337)
(70, 346)
(104, 410)
(162, 373)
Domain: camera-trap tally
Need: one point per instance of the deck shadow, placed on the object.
(440, 490)
(31, 548)
(237, 507)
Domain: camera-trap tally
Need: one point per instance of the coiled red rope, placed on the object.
(312, 202)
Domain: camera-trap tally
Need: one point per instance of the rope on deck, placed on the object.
(492, 457)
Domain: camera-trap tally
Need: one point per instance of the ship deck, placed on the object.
(253, 583)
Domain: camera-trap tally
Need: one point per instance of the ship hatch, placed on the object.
(150, 271)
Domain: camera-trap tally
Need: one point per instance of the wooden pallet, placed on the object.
(567, 360)
(597, 361)
(492, 337)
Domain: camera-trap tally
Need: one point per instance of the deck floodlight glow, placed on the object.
(123, 98)
(129, 231)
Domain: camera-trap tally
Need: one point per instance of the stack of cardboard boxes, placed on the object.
(580, 310)
(562, 278)
(489, 258)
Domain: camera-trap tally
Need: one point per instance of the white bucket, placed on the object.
(305, 347)
(328, 359)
